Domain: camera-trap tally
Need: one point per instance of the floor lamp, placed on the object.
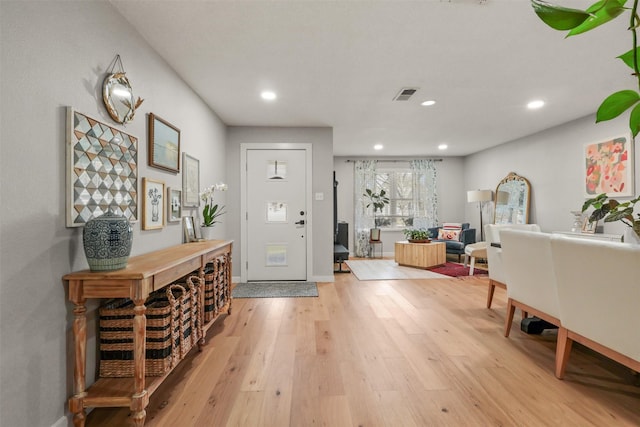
(480, 196)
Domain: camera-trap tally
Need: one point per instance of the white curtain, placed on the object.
(365, 177)
(425, 197)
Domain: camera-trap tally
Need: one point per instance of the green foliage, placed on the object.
(578, 21)
(417, 234)
(210, 213)
(616, 104)
(558, 17)
(612, 210)
(377, 200)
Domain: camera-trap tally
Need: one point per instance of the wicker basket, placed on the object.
(215, 287)
(186, 330)
(116, 337)
(173, 328)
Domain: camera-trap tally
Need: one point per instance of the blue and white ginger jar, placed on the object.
(107, 242)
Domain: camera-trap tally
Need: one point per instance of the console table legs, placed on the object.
(76, 403)
(140, 396)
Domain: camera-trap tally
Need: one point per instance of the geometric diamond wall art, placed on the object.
(102, 170)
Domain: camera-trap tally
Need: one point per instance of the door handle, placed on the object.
(301, 222)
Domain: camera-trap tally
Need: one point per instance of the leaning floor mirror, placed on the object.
(512, 200)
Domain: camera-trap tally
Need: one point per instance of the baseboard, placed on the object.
(62, 422)
(236, 279)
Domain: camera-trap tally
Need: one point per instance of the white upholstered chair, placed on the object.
(494, 254)
(598, 292)
(530, 277)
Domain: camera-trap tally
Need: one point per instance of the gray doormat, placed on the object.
(275, 290)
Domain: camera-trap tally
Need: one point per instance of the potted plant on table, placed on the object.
(378, 201)
(210, 212)
(612, 210)
(417, 235)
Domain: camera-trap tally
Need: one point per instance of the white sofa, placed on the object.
(529, 272)
(589, 288)
(599, 294)
(494, 254)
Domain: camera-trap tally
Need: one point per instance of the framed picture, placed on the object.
(189, 229)
(152, 204)
(174, 205)
(102, 170)
(164, 144)
(609, 167)
(589, 227)
(190, 181)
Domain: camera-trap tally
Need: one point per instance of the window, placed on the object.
(398, 184)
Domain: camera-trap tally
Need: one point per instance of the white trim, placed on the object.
(62, 422)
(319, 279)
(308, 149)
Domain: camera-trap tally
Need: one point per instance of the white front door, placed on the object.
(276, 214)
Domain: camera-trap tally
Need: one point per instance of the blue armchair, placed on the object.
(467, 236)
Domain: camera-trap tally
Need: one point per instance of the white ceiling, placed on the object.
(340, 63)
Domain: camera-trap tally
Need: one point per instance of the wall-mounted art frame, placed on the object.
(189, 229)
(609, 167)
(152, 204)
(174, 205)
(164, 144)
(102, 170)
(190, 181)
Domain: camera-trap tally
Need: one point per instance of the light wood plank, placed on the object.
(385, 353)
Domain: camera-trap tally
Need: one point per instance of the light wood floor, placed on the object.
(385, 353)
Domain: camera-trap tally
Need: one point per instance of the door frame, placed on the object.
(308, 150)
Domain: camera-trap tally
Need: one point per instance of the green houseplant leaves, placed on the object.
(577, 21)
(612, 210)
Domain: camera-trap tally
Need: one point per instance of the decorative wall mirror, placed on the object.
(513, 194)
(118, 95)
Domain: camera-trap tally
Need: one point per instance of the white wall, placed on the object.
(452, 197)
(553, 162)
(322, 210)
(55, 54)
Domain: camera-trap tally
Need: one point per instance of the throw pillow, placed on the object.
(449, 234)
(452, 226)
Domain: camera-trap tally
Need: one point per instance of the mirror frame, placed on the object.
(120, 80)
(512, 176)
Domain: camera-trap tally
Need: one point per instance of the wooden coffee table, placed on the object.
(421, 255)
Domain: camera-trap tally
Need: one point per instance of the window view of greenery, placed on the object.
(398, 184)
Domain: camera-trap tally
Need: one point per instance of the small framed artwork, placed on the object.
(152, 204)
(190, 181)
(164, 144)
(189, 229)
(374, 234)
(174, 205)
(589, 227)
(608, 167)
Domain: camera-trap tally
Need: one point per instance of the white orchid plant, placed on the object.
(211, 212)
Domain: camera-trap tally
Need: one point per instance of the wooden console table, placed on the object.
(422, 255)
(143, 275)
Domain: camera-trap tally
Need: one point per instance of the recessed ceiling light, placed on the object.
(428, 103)
(268, 95)
(442, 147)
(538, 103)
(378, 147)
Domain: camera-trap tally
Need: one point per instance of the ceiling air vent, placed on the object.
(405, 93)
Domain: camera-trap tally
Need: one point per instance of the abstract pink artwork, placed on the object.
(609, 168)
